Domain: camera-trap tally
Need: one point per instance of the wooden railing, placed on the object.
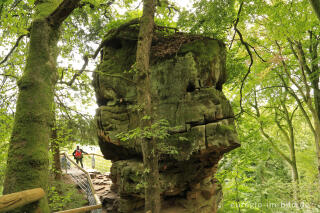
(98, 202)
(100, 163)
(19, 199)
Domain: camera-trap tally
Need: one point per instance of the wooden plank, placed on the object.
(82, 209)
(18, 199)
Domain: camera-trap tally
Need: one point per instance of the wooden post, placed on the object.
(15, 200)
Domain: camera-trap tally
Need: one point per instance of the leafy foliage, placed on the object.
(158, 129)
(63, 196)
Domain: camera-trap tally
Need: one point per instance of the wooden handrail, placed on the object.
(96, 154)
(85, 154)
(18, 199)
(74, 163)
(82, 209)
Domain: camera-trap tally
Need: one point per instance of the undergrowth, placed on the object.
(63, 195)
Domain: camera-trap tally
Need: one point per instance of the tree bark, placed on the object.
(27, 164)
(55, 146)
(148, 145)
(28, 152)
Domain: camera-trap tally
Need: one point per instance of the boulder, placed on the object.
(187, 74)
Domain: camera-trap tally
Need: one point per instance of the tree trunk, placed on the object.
(291, 143)
(148, 145)
(28, 152)
(27, 164)
(312, 105)
(314, 78)
(289, 136)
(56, 165)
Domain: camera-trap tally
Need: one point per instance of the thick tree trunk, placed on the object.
(28, 152)
(27, 164)
(149, 150)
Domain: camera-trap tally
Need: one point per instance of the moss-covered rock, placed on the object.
(187, 73)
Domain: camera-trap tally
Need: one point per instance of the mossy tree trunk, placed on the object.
(27, 165)
(149, 151)
(55, 146)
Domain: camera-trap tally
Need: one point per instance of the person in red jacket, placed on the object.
(78, 155)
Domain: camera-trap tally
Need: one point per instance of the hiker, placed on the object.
(78, 155)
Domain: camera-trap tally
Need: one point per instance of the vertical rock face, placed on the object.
(187, 73)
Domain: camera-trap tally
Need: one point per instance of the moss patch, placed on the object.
(45, 8)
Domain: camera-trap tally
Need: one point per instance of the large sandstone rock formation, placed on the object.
(187, 73)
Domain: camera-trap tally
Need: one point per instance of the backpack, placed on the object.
(78, 154)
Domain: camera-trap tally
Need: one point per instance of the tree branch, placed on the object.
(247, 46)
(62, 12)
(8, 75)
(236, 24)
(255, 51)
(270, 140)
(292, 93)
(249, 68)
(284, 133)
(13, 48)
(285, 68)
(86, 60)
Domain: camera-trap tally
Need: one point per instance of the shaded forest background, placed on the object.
(273, 77)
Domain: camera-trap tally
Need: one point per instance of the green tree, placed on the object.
(28, 152)
(149, 145)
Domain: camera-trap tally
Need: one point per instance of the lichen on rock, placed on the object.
(187, 74)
